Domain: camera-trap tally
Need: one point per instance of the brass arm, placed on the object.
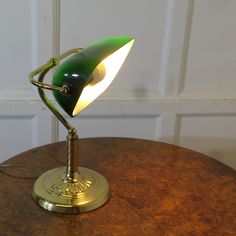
(43, 70)
(49, 65)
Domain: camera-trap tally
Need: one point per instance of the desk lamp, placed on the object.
(76, 83)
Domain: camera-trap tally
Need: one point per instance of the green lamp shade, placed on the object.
(89, 72)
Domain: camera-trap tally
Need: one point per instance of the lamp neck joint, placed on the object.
(72, 134)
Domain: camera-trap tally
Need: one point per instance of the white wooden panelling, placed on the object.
(41, 36)
(214, 135)
(56, 52)
(117, 119)
(26, 43)
(176, 86)
(168, 127)
(83, 22)
(41, 31)
(12, 143)
(105, 126)
(15, 43)
(174, 46)
(24, 130)
(211, 59)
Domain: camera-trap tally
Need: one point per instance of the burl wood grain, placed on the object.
(157, 189)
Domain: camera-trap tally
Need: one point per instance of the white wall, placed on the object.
(177, 85)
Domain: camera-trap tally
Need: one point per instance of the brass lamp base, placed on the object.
(88, 191)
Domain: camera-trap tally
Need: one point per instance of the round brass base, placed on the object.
(53, 193)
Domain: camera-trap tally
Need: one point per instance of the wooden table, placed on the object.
(157, 189)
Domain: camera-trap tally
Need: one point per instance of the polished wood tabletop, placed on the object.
(156, 189)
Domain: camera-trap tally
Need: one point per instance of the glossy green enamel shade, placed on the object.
(76, 71)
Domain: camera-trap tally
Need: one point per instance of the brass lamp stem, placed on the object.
(72, 156)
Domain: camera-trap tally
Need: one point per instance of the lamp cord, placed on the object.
(33, 173)
(4, 167)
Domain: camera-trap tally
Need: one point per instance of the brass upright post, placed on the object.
(72, 156)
